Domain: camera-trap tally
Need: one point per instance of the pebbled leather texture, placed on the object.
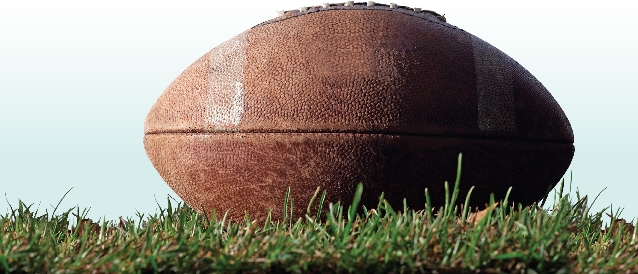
(249, 172)
(355, 93)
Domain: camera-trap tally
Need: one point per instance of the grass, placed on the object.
(503, 238)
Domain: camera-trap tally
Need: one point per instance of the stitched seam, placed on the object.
(365, 8)
(493, 138)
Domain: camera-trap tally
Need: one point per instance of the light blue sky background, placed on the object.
(77, 79)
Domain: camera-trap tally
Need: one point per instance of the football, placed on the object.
(335, 95)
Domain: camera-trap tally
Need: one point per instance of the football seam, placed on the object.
(400, 9)
(466, 137)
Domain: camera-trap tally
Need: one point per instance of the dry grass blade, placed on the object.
(475, 217)
(84, 225)
(618, 226)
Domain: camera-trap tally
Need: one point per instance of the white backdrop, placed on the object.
(77, 79)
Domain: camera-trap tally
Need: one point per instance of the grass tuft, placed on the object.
(502, 238)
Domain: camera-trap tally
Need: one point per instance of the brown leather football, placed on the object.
(334, 95)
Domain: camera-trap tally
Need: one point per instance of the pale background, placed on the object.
(77, 79)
